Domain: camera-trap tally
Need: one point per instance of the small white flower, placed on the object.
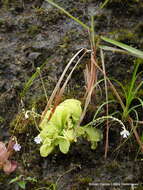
(17, 147)
(125, 133)
(38, 139)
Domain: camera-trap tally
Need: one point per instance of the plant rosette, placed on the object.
(63, 128)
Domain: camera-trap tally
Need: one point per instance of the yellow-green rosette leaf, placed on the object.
(45, 150)
(74, 107)
(70, 135)
(64, 145)
(93, 134)
(49, 131)
(60, 130)
(66, 114)
(93, 145)
(80, 131)
(70, 108)
(47, 141)
(60, 117)
(44, 122)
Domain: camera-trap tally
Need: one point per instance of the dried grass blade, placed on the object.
(92, 79)
(57, 87)
(107, 108)
(68, 78)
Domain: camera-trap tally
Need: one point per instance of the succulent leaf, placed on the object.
(64, 145)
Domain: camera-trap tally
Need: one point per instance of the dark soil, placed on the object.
(33, 32)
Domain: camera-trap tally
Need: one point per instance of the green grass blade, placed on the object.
(108, 48)
(101, 106)
(137, 117)
(141, 101)
(138, 87)
(69, 15)
(122, 87)
(131, 92)
(31, 79)
(104, 4)
(93, 32)
(135, 52)
(134, 77)
(134, 107)
(29, 83)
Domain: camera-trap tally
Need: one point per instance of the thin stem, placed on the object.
(69, 15)
(68, 171)
(92, 33)
(107, 107)
(43, 85)
(104, 4)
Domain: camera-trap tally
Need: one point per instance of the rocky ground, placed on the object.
(33, 33)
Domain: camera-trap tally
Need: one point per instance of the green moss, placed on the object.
(139, 187)
(123, 34)
(1, 120)
(86, 1)
(5, 179)
(39, 11)
(19, 124)
(85, 180)
(33, 30)
(64, 44)
(5, 3)
(139, 30)
(49, 16)
(113, 166)
(127, 1)
(2, 22)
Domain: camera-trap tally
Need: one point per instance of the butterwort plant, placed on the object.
(63, 128)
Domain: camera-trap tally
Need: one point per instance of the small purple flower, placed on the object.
(17, 147)
(37, 139)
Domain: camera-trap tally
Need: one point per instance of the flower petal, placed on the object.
(17, 147)
(37, 139)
